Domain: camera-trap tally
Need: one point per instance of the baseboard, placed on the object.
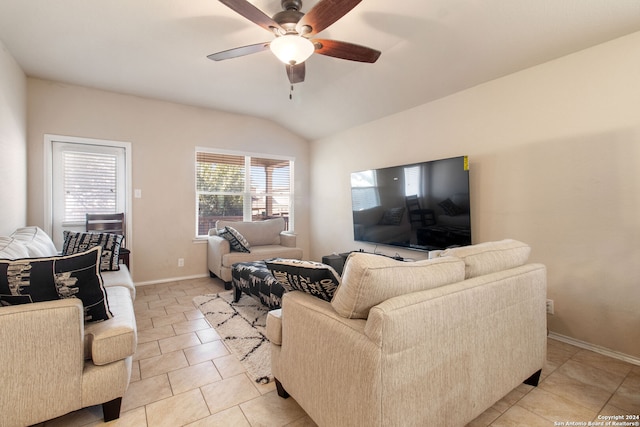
(173, 279)
(595, 348)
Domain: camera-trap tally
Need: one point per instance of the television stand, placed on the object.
(337, 260)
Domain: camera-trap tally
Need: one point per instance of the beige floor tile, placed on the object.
(574, 382)
(178, 342)
(178, 410)
(163, 302)
(486, 418)
(168, 319)
(208, 335)
(305, 421)
(194, 314)
(232, 417)
(179, 308)
(190, 326)
(162, 364)
(148, 313)
(142, 324)
(79, 418)
(135, 371)
(610, 410)
(155, 334)
(229, 366)
(555, 408)
(146, 391)
(208, 351)
(271, 410)
(134, 418)
(517, 416)
(596, 360)
(193, 377)
(229, 392)
(147, 349)
(627, 397)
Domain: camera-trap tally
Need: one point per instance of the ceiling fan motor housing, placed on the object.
(290, 15)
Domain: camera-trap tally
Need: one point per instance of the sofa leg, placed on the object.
(111, 409)
(281, 391)
(227, 285)
(213, 276)
(237, 293)
(533, 379)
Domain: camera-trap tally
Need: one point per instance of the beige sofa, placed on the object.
(267, 239)
(433, 342)
(53, 362)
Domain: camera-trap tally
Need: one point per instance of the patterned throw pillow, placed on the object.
(110, 243)
(30, 280)
(315, 278)
(236, 240)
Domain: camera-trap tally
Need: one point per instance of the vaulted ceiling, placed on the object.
(430, 49)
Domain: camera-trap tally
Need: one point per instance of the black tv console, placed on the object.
(337, 260)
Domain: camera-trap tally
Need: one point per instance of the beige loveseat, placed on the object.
(53, 362)
(427, 343)
(267, 239)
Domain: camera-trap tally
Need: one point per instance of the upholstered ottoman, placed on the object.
(255, 279)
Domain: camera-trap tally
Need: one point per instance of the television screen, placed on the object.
(423, 206)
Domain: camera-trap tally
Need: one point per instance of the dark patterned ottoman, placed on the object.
(255, 279)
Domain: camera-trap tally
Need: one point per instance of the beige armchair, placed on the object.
(433, 342)
(267, 239)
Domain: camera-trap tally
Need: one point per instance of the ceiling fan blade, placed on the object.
(296, 73)
(253, 14)
(239, 51)
(344, 50)
(323, 14)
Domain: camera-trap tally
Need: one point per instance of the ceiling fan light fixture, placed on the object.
(292, 49)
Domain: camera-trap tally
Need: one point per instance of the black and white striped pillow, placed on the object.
(236, 240)
(110, 243)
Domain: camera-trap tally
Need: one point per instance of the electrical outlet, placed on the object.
(549, 306)
(180, 262)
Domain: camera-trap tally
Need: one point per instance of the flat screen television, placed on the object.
(422, 206)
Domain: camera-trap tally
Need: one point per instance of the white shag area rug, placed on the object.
(242, 327)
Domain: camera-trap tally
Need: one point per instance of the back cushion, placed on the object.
(257, 233)
(490, 257)
(38, 242)
(11, 248)
(369, 279)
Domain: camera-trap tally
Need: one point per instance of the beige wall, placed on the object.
(554, 161)
(13, 144)
(163, 137)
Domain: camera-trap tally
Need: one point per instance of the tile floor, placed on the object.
(183, 375)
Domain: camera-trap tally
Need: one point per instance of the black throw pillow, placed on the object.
(28, 280)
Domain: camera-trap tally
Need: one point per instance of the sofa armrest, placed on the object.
(288, 239)
(43, 358)
(216, 247)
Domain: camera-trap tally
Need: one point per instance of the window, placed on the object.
(412, 181)
(364, 190)
(86, 176)
(242, 187)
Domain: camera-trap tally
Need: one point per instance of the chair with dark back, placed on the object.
(109, 223)
(417, 214)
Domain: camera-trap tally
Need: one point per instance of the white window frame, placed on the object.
(247, 214)
(49, 140)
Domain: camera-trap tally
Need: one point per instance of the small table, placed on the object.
(124, 257)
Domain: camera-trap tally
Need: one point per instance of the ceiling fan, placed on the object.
(293, 30)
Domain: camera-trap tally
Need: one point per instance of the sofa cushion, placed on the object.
(257, 233)
(369, 279)
(120, 277)
(490, 257)
(236, 239)
(11, 248)
(79, 242)
(38, 243)
(29, 280)
(314, 278)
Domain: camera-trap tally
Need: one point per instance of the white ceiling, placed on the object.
(430, 49)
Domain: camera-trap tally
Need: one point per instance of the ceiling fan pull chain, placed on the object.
(291, 92)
